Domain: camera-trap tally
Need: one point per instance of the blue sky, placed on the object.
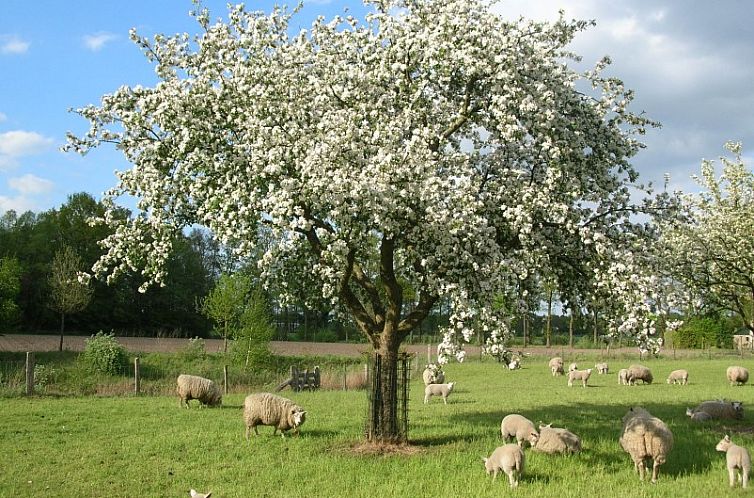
(690, 62)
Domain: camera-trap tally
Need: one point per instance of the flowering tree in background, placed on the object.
(432, 145)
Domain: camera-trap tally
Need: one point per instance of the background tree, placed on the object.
(67, 294)
(256, 329)
(10, 286)
(225, 304)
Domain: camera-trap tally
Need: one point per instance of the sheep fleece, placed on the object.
(195, 387)
(269, 409)
(645, 436)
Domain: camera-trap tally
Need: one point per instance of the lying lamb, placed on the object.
(557, 440)
(737, 459)
(443, 390)
(737, 376)
(678, 377)
(194, 387)
(698, 416)
(556, 366)
(719, 409)
(270, 409)
(582, 375)
(509, 459)
(643, 437)
(519, 427)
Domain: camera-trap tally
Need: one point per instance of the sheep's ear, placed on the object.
(303, 412)
(208, 495)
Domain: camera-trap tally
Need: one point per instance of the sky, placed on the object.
(690, 62)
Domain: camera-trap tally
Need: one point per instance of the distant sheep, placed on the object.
(572, 367)
(601, 368)
(737, 376)
(737, 459)
(270, 409)
(433, 375)
(643, 437)
(509, 459)
(443, 390)
(557, 440)
(623, 376)
(719, 409)
(519, 427)
(638, 372)
(678, 377)
(193, 387)
(582, 375)
(556, 366)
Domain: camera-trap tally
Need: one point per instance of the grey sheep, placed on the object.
(623, 376)
(274, 410)
(443, 390)
(194, 387)
(643, 437)
(698, 416)
(601, 368)
(433, 375)
(719, 409)
(557, 440)
(519, 427)
(509, 459)
(737, 459)
(638, 372)
(737, 376)
(582, 375)
(678, 377)
(556, 366)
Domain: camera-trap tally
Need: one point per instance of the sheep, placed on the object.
(719, 409)
(515, 364)
(601, 368)
(572, 367)
(638, 372)
(698, 416)
(737, 376)
(270, 409)
(433, 375)
(645, 436)
(556, 366)
(736, 457)
(443, 390)
(623, 376)
(194, 387)
(557, 440)
(194, 494)
(678, 377)
(582, 375)
(520, 427)
(508, 458)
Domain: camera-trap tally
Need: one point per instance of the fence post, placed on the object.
(137, 376)
(29, 373)
(225, 379)
(345, 376)
(366, 373)
(429, 354)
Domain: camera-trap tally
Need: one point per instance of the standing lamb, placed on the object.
(623, 376)
(638, 372)
(719, 409)
(601, 368)
(274, 410)
(737, 376)
(433, 374)
(508, 458)
(582, 375)
(736, 457)
(572, 367)
(443, 390)
(556, 366)
(520, 427)
(556, 440)
(194, 387)
(643, 437)
(678, 377)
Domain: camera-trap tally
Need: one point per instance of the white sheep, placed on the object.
(557, 440)
(194, 387)
(719, 409)
(643, 437)
(737, 459)
(443, 390)
(678, 377)
(623, 376)
(519, 427)
(582, 375)
(572, 367)
(698, 416)
(556, 366)
(601, 368)
(638, 372)
(509, 459)
(515, 364)
(737, 376)
(195, 494)
(270, 409)
(433, 374)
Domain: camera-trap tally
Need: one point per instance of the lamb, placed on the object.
(194, 387)
(737, 376)
(645, 436)
(443, 390)
(719, 409)
(638, 372)
(623, 376)
(508, 458)
(736, 457)
(520, 427)
(582, 375)
(601, 368)
(194, 494)
(678, 377)
(433, 375)
(515, 364)
(556, 366)
(698, 416)
(556, 440)
(572, 367)
(270, 409)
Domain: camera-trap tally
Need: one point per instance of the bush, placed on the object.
(44, 375)
(103, 354)
(703, 332)
(194, 350)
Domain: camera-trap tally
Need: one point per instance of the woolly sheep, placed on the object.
(193, 387)
(515, 364)
(520, 427)
(557, 440)
(736, 457)
(678, 377)
(572, 367)
(737, 376)
(508, 458)
(623, 376)
(601, 368)
(698, 416)
(556, 366)
(643, 437)
(270, 409)
(443, 390)
(194, 494)
(733, 410)
(582, 375)
(638, 372)
(433, 375)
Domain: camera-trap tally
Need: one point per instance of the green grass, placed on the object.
(147, 446)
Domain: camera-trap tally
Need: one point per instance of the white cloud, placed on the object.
(12, 44)
(30, 184)
(3, 117)
(97, 41)
(19, 204)
(21, 143)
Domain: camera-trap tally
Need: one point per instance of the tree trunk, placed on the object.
(385, 424)
(595, 327)
(570, 331)
(62, 330)
(526, 335)
(548, 327)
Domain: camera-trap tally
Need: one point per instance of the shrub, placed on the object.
(703, 332)
(44, 375)
(103, 354)
(194, 350)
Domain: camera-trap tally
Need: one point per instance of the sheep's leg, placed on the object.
(494, 475)
(512, 478)
(445, 399)
(247, 432)
(745, 478)
(426, 398)
(256, 431)
(731, 476)
(655, 471)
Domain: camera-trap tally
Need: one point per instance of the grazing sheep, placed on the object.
(443, 390)
(678, 377)
(515, 364)
(572, 367)
(737, 376)
(698, 416)
(433, 374)
(638, 372)
(582, 375)
(520, 427)
(508, 458)
(557, 440)
(736, 457)
(270, 409)
(194, 494)
(601, 368)
(733, 410)
(623, 376)
(645, 436)
(194, 387)
(556, 366)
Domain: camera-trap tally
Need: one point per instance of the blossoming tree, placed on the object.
(431, 146)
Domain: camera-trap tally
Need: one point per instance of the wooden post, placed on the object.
(345, 374)
(137, 376)
(366, 373)
(317, 378)
(29, 373)
(225, 379)
(429, 354)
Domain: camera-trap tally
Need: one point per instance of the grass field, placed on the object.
(147, 446)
